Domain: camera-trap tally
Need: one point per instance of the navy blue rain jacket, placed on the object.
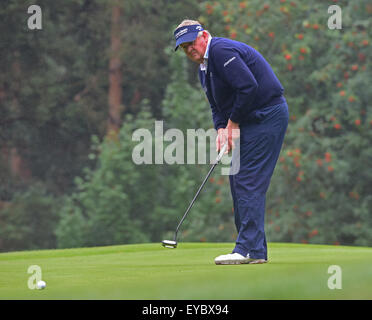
(238, 82)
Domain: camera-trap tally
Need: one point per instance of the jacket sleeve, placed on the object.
(236, 73)
(218, 120)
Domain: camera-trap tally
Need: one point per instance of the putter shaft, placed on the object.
(218, 159)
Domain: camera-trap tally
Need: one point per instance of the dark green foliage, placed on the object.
(29, 221)
(54, 82)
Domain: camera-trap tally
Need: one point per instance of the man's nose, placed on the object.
(189, 48)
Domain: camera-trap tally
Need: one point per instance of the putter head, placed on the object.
(169, 244)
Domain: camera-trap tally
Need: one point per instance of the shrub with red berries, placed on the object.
(321, 183)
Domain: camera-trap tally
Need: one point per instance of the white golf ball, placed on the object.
(41, 284)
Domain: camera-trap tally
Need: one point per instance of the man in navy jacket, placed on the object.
(249, 109)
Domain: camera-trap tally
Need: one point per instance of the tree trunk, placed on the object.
(115, 74)
(18, 167)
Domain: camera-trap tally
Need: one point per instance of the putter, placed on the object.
(172, 244)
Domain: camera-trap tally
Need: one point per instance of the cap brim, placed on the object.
(188, 37)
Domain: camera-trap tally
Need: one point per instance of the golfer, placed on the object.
(248, 108)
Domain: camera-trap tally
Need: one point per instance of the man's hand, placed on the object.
(228, 134)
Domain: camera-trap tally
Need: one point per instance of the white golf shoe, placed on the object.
(237, 258)
(231, 258)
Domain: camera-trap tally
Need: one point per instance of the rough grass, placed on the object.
(149, 271)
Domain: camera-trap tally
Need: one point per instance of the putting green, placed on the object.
(149, 271)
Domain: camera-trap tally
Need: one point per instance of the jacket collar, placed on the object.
(204, 65)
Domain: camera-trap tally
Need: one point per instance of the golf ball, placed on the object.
(40, 284)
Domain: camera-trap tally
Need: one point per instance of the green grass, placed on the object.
(149, 271)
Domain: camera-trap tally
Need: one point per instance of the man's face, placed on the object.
(195, 50)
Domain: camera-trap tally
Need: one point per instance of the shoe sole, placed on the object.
(233, 262)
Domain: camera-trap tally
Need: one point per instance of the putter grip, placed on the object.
(222, 151)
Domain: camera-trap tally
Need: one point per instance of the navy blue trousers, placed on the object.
(253, 162)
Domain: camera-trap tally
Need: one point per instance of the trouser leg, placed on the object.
(259, 149)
